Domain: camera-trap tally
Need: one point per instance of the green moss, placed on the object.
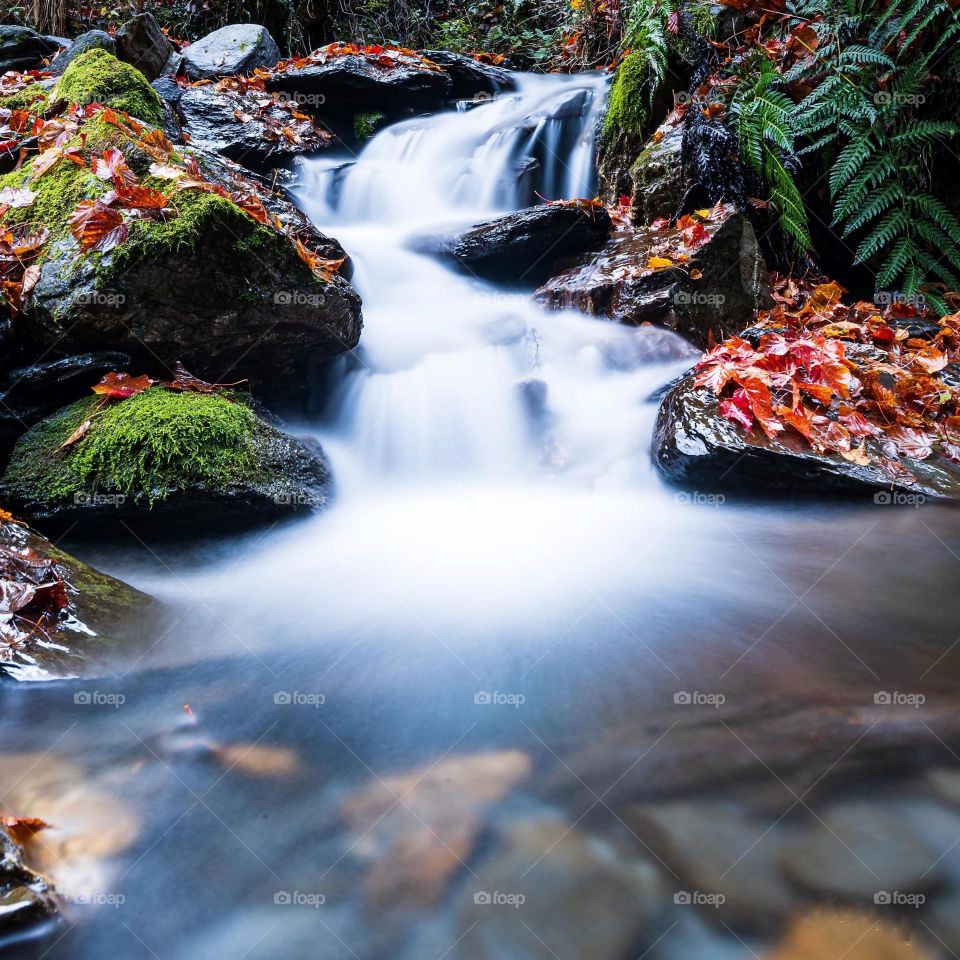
(625, 109)
(32, 97)
(365, 125)
(145, 448)
(58, 192)
(98, 77)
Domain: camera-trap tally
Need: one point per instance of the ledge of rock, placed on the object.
(22, 48)
(236, 48)
(163, 461)
(705, 278)
(525, 247)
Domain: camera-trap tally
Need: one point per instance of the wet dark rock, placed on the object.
(351, 84)
(26, 901)
(22, 48)
(169, 90)
(236, 48)
(658, 183)
(613, 283)
(471, 79)
(103, 617)
(582, 896)
(857, 850)
(213, 122)
(524, 247)
(715, 851)
(91, 40)
(694, 445)
(142, 44)
(28, 394)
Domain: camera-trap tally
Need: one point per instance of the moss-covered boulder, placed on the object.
(99, 77)
(165, 462)
(214, 280)
(93, 621)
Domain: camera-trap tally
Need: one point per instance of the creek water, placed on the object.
(502, 571)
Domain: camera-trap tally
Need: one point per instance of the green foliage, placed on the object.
(365, 125)
(145, 447)
(32, 97)
(874, 106)
(626, 108)
(98, 77)
(646, 33)
(761, 116)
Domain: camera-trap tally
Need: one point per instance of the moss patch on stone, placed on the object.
(32, 97)
(145, 448)
(58, 192)
(625, 108)
(365, 125)
(98, 77)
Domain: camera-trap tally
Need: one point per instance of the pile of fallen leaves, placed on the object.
(17, 127)
(279, 118)
(380, 56)
(868, 383)
(101, 225)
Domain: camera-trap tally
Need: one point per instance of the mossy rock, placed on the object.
(164, 462)
(99, 77)
(33, 97)
(105, 619)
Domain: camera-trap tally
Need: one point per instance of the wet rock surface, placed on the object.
(22, 48)
(91, 40)
(524, 247)
(658, 184)
(26, 900)
(142, 44)
(236, 48)
(471, 79)
(716, 292)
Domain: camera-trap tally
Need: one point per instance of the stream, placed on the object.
(511, 695)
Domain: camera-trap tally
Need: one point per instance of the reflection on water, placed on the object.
(510, 697)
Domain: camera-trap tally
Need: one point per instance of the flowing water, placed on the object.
(503, 576)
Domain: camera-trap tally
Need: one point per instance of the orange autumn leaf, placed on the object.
(122, 386)
(23, 828)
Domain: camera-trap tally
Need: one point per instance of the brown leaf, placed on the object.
(77, 434)
(23, 828)
(97, 226)
(122, 386)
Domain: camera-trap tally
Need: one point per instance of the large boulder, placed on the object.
(165, 462)
(59, 617)
(91, 40)
(525, 247)
(342, 79)
(142, 44)
(471, 78)
(657, 182)
(236, 48)
(704, 279)
(22, 48)
(252, 128)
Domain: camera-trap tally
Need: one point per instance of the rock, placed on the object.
(524, 247)
(471, 79)
(169, 90)
(613, 282)
(25, 898)
(162, 462)
(416, 845)
(334, 83)
(142, 44)
(237, 48)
(550, 890)
(857, 851)
(22, 48)
(246, 127)
(694, 445)
(103, 616)
(658, 183)
(713, 851)
(826, 932)
(28, 394)
(91, 40)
